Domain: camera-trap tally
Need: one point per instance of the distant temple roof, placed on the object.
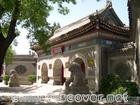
(105, 18)
(24, 58)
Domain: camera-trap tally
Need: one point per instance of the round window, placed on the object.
(20, 69)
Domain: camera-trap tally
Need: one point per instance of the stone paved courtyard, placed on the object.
(41, 89)
(50, 92)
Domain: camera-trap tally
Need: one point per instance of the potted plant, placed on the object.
(6, 79)
(32, 78)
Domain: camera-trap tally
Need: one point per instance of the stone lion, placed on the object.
(13, 81)
(77, 76)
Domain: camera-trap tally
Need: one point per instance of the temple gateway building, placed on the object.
(100, 43)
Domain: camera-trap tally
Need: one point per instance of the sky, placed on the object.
(78, 11)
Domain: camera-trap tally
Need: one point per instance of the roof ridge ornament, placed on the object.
(109, 3)
(95, 17)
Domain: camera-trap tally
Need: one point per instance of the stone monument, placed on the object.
(13, 81)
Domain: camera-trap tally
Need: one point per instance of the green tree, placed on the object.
(9, 56)
(30, 14)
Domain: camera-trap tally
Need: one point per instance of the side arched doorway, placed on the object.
(82, 69)
(58, 72)
(44, 73)
(81, 62)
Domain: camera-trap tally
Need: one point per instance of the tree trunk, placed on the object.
(6, 42)
(134, 16)
(3, 50)
(4, 45)
(138, 48)
(137, 6)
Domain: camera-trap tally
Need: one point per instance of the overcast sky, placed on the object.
(78, 11)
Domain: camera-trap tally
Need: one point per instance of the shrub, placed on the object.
(131, 87)
(6, 79)
(119, 90)
(109, 83)
(112, 84)
(32, 78)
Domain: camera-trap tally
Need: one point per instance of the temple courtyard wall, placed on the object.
(24, 65)
(56, 67)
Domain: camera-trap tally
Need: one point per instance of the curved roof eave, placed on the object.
(79, 23)
(86, 20)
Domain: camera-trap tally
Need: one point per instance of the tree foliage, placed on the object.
(32, 15)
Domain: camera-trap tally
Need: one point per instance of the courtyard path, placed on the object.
(51, 94)
(30, 89)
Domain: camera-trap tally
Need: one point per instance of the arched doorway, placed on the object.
(81, 62)
(58, 72)
(44, 73)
